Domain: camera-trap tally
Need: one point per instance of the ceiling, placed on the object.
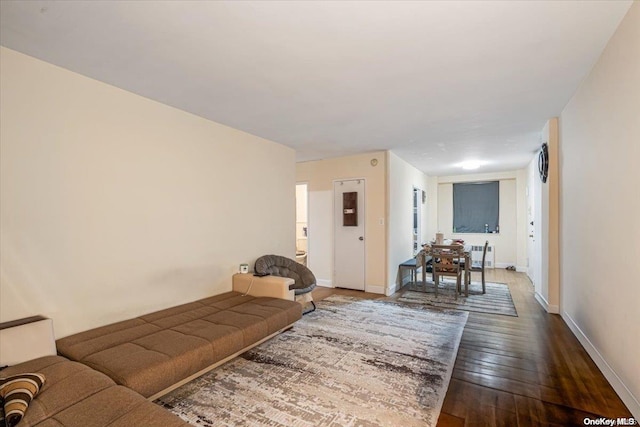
(437, 83)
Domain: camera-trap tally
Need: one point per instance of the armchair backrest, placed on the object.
(285, 267)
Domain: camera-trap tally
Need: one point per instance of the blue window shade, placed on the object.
(474, 205)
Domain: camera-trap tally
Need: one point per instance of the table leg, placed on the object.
(424, 270)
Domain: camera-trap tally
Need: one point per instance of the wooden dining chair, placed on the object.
(480, 269)
(447, 261)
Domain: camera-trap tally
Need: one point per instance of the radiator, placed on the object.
(476, 257)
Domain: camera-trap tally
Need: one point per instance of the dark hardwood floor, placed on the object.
(528, 370)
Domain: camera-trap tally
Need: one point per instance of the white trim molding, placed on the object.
(502, 265)
(549, 308)
(543, 302)
(375, 289)
(618, 385)
(392, 289)
(325, 283)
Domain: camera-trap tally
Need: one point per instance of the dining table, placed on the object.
(425, 256)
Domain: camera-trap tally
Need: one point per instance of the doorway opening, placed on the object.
(417, 220)
(302, 223)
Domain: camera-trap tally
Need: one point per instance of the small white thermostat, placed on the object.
(244, 268)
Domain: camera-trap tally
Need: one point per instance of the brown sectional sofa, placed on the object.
(75, 395)
(155, 353)
(145, 357)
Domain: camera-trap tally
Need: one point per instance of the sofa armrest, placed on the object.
(266, 286)
(26, 339)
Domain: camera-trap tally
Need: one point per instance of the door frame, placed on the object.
(364, 229)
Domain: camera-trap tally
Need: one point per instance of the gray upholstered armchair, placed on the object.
(277, 265)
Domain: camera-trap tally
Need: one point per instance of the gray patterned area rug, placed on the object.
(497, 299)
(352, 362)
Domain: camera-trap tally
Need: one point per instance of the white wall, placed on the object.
(432, 207)
(114, 205)
(403, 178)
(510, 243)
(320, 236)
(320, 176)
(599, 211)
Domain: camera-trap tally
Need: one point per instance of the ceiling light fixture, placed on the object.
(470, 165)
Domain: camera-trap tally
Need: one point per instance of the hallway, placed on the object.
(520, 371)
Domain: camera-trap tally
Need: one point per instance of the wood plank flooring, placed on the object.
(528, 370)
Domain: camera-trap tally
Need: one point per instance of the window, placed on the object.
(476, 207)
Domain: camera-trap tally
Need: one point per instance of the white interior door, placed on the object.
(534, 227)
(349, 237)
(531, 255)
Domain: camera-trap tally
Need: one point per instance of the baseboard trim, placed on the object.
(374, 289)
(391, 290)
(519, 268)
(549, 308)
(543, 302)
(618, 385)
(325, 283)
(553, 309)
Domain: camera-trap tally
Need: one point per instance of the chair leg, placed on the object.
(436, 282)
(484, 289)
(310, 311)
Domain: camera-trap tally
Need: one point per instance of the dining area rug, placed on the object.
(496, 300)
(352, 362)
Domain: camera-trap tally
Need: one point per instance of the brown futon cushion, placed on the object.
(150, 353)
(75, 395)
